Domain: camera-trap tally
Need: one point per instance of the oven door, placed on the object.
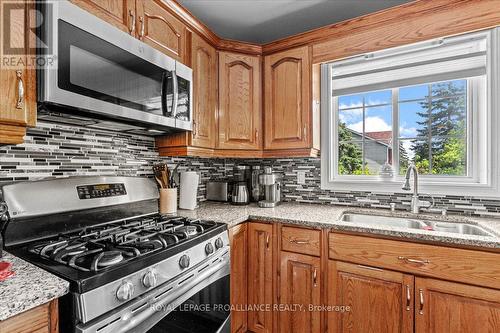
(99, 69)
(206, 311)
(196, 301)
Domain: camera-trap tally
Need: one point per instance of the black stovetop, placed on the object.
(101, 254)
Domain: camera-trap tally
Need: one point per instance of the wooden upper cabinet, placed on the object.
(120, 13)
(287, 85)
(204, 62)
(239, 272)
(18, 97)
(239, 101)
(379, 300)
(447, 307)
(300, 284)
(260, 276)
(157, 27)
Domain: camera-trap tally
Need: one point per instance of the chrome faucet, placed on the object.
(415, 202)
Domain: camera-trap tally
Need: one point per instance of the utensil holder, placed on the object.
(168, 200)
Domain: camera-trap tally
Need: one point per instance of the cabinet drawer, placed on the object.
(467, 266)
(300, 240)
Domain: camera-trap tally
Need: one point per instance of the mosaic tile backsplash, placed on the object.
(56, 150)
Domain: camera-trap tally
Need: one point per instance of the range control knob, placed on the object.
(219, 243)
(209, 249)
(149, 279)
(184, 261)
(125, 291)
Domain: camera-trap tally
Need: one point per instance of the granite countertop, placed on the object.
(328, 216)
(28, 288)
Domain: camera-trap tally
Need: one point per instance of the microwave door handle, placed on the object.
(164, 86)
(176, 95)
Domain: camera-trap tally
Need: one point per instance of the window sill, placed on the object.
(395, 186)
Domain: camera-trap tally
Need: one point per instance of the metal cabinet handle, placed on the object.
(256, 135)
(132, 26)
(141, 33)
(298, 241)
(20, 90)
(414, 261)
(267, 240)
(408, 298)
(315, 277)
(305, 132)
(421, 309)
(194, 128)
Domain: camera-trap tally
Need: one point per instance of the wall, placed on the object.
(58, 150)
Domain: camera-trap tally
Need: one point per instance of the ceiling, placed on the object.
(263, 21)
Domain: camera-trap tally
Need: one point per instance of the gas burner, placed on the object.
(103, 246)
(107, 258)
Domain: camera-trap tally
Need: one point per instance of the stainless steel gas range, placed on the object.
(130, 269)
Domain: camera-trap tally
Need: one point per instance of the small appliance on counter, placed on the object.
(219, 191)
(242, 184)
(272, 188)
(189, 190)
(240, 194)
(257, 188)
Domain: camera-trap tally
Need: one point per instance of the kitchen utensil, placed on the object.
(188, 190)
(272, 188)
(240, 194)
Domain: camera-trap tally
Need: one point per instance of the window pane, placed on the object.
(378, 97)
(448, 116)
(449, 156)
(350, 158)
(413, 119)
(350, 101)
(379, 119)
(350, 124)
(417, 152)
(377, 153)
(414, 92)
(449, 88)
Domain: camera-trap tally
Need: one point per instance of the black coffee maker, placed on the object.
(242, 176)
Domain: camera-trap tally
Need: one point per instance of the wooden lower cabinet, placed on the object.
(260, 277)
(378, 300)
(448, 307)
(42, 319)
(300, 286)
(239, 281)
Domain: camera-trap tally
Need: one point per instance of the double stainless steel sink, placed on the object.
(428, 225)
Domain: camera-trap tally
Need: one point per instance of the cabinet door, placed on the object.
(239, 242)
(160, 29)
(378, 300)
(17, 79)
(300, 284)
(287, 99)
(260, 277)
(448, 307)
(239, 101)
(204, 61)
(120, 13)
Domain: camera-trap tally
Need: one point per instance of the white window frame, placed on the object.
(483, 160)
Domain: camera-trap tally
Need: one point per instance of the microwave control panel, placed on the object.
(100, 190)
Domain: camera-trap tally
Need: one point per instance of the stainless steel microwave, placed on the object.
(100, 71)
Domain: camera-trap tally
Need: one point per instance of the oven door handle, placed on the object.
(155, 311)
